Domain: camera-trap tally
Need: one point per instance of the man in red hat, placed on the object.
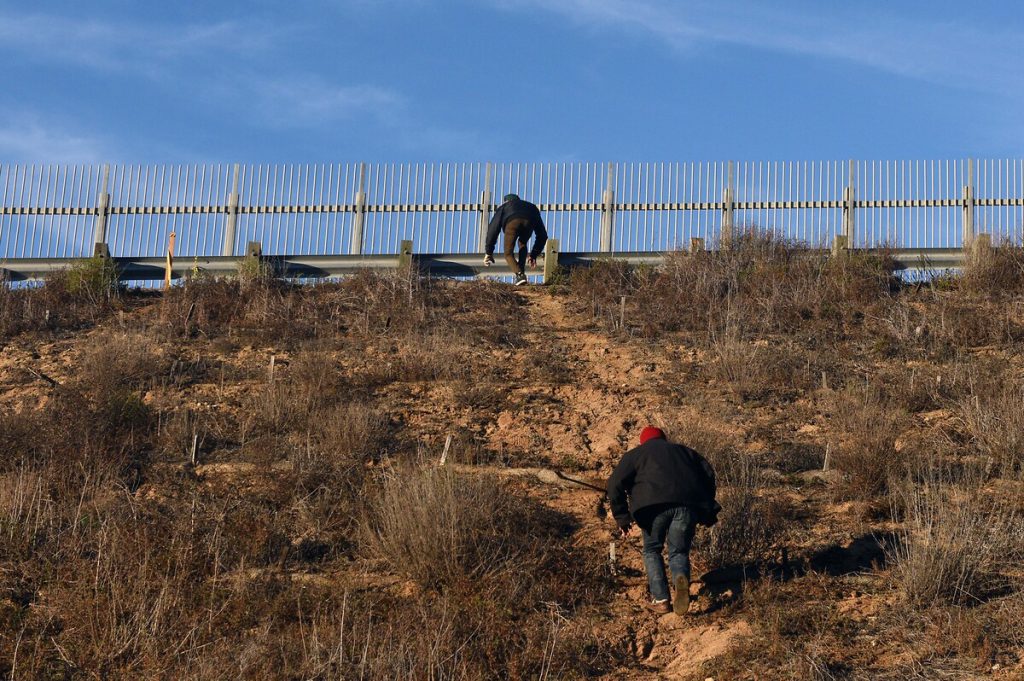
(667, 489)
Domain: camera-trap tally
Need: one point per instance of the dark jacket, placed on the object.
(517, 208)
(659, 472)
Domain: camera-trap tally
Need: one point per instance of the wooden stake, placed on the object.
(612, 563)
(447, 446)
(270, 375)
(622, 312)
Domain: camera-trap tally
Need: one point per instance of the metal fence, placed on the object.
(59, 211)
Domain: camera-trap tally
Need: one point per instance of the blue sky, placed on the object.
(531, 80)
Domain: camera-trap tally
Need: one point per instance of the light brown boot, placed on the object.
(681, 602)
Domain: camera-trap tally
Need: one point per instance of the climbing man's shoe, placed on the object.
(681, 602)
(659, 607)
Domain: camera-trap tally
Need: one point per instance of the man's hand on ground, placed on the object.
(623, 532)
(532, 262)
(488, 260)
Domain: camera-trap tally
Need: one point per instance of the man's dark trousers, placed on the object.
(674, 525)
(517, 229)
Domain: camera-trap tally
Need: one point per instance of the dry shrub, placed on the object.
(760, 282)
(994, 272)
(70, 299)
(600, 287)
(992, 414)
(862, 442)
(749, 525)
(367, 305)
(436, 357)
(447, 636)
(765, 285)
(797, 634)
(311, 381)
(498, 570)
(942, 324)
(442, 528)
(957, 543)
(761, 369)
(331, 473)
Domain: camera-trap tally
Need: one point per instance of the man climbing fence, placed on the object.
(519, 220)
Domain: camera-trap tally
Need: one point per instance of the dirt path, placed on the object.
(599, 416)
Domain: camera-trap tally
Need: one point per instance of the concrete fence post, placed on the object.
(981, 244)
(550, 260)
(405, 254)
(839, 245)
(849, 208)
(231, 217)
(608, 212)
(254, 250)
(102, 215)
(486, 201)
(968, 206)
(727, 207)
(359, 217)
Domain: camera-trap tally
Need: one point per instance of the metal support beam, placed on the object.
(440, 264)
(102, 208)
(608, 211)
(550, 260)
(359, 218)
(231, 215)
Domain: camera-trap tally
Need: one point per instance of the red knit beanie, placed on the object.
(650, 433)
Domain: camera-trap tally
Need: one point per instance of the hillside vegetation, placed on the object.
(243, 478)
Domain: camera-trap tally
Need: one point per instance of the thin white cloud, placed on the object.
(304, 101)
(120, 45)
(319, 104)
(30, 140)
(939, 50)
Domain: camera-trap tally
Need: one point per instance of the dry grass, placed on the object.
(959, 542)
(994, 272)
(441, 528)
(761, 284)
(992, 414)
(866, 426)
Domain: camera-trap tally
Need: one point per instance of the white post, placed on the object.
(727, 207)
(486, 200)
(849, 206)
(608, 211)
(231, 218)
(102, 211)
(359, 219)
(968, 206)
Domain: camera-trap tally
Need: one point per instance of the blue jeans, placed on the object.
(675, 524)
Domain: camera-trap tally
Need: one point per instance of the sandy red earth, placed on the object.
(582, 425)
